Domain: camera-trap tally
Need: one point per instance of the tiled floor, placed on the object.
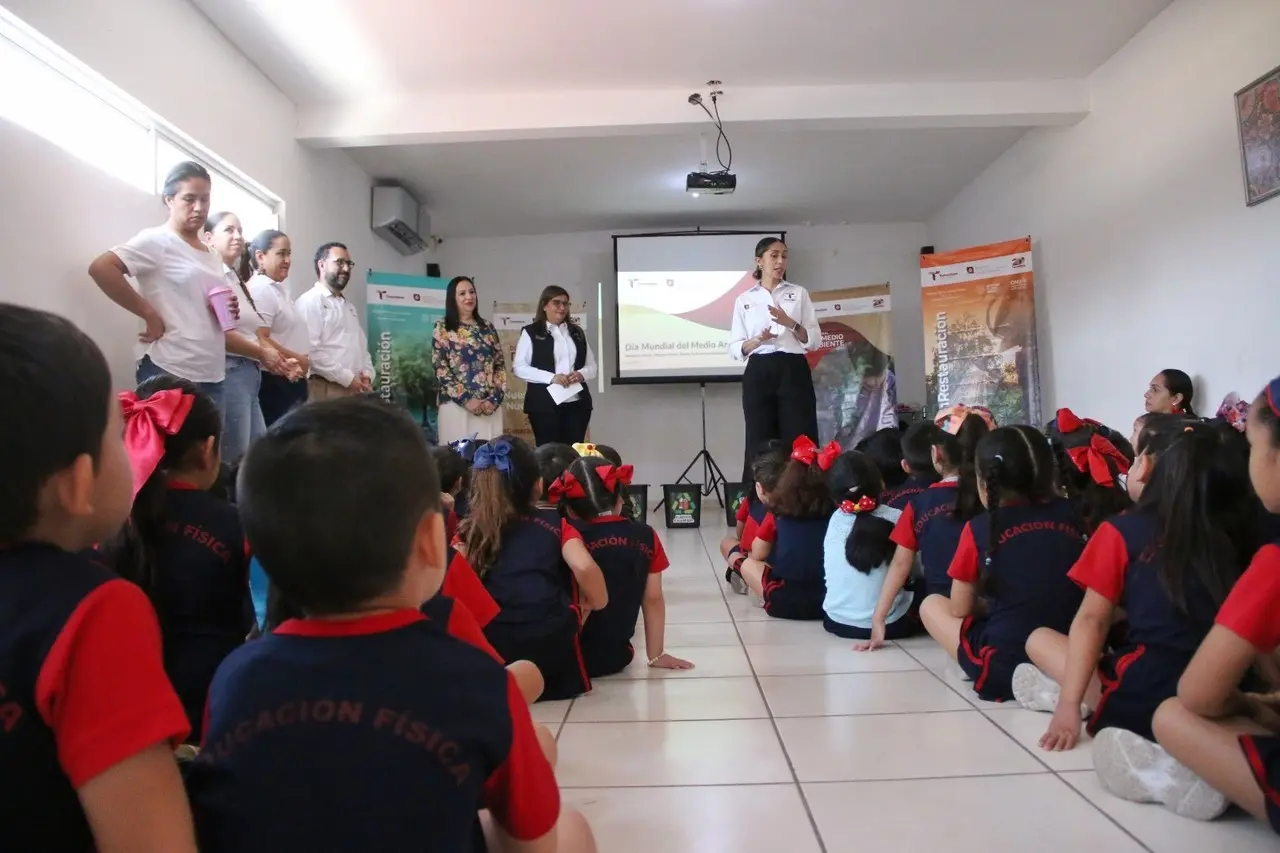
(783, 740)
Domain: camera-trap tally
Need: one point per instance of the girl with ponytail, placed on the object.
(1015, 557)
(857, 550)
(630, 554)
(182, 545)
(533, 563)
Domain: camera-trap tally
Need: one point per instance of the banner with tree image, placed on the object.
(401, 315)
(980, 331)
(852, 368)
(509, 318)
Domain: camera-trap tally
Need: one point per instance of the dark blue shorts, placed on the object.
(989, 660)
(1263, 754)
(554, 648)
(1135, 680)
(784, 599)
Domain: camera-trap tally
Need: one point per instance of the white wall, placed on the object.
(59, 213)
(658, 427)
(1146, 255)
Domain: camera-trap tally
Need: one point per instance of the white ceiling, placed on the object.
(345, 55)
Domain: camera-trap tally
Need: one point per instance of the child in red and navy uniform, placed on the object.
(453, 485)
(931, 523)
(183, 545)
(786, 569)
(884, 448)
(1169, 564)
(553, 459)
(1218, 745)
(1015, 556)
(88, 720)
(917, 462)
(766, 470)
(364, 725)
(1092, 461)
(533, 563)
(631, 557)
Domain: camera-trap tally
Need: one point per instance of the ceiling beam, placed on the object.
(455, 117)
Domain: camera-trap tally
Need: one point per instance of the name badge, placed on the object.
(790, 297)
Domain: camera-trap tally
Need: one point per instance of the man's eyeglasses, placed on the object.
(340, 264)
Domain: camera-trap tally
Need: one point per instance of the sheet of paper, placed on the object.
(559, 395)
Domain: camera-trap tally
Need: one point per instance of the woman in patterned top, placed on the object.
(470, 368)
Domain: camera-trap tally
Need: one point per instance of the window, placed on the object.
(58, 98)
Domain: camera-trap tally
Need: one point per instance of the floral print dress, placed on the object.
(469, 364)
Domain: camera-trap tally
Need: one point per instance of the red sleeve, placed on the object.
(964, 565)
(568, 532)
(904, 532)
(1252, 610)
(451, 525)
(659, 563)
(462, 585)
(744, 512)
(463, 626)
(103, 689)
(768, 529)
(1103, 564)
(522, 794)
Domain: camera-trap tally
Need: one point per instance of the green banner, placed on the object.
(401, 317)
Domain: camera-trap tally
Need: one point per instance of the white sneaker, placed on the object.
(1034, 690)
(756, 601)
(1135, 769)
(737, 584)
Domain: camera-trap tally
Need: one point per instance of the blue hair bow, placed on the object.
(495, 454)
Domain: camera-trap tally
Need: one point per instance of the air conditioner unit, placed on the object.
(395, 219)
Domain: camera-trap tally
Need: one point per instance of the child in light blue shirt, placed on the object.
(856, 554)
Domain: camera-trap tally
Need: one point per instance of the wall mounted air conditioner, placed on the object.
(396, 219)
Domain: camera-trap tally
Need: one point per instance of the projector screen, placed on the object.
(674, 300)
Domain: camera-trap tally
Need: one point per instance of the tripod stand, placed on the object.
(713, 479)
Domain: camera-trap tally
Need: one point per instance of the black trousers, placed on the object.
(777, 402)
(278, 396)
(566, 424)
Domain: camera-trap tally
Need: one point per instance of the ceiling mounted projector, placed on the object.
(711, 183)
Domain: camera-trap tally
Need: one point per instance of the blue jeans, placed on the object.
(147, 369)
(242, 422)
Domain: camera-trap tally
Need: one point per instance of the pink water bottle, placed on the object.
(220, 301)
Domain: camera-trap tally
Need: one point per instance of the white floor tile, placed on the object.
(708, 662)
(697, 820)
(864, 693)
(815, 659)
(695, 634)
(1015, 813)
(550, 713)
(723, 752)
(670, 699)
(1027, 727)
(781, 632)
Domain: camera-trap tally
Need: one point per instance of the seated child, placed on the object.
(857, 550)
(1015, 556)
(917, 462)
(183, 545)
(453, 484)
(88, 720)
(766, 470)
(631, 557)
(1169, 564)
(1091, 467)
(609, 455)
(534, 564)
(553, 459)
(884, 447)
(416, 728)
(785, 569)
(1218, 745)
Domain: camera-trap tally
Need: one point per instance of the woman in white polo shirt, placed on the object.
(271, 254)
(774, 325)
(175, 271)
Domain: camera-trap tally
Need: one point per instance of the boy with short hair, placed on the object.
(88, 719)
(364, 725)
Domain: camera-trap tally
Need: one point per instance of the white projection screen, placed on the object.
(674, 303)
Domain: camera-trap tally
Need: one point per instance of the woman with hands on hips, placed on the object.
(470, 367)
(554, 351)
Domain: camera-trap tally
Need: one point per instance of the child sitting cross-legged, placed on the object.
(766, 470)
(363, 725)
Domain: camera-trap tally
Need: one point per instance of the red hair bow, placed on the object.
(804, 450)
(1092, 459)
(146, 423)
(1069, 421)
(613, 477)
(862, 504)
(567, 486)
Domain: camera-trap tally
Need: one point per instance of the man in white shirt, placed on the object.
(340, 362)
(773, 326)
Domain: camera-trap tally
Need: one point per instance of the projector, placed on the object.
(711, 183)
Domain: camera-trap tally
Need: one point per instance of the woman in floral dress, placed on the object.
(470, 368)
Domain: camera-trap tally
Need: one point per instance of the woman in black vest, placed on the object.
(553, 351)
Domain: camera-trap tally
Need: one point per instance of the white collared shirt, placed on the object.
(566, 353)
(338, 348)
(751, 318)
(249, 321)
(279, 314)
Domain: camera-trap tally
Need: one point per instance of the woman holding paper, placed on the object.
(773, 326)
(553, 357)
